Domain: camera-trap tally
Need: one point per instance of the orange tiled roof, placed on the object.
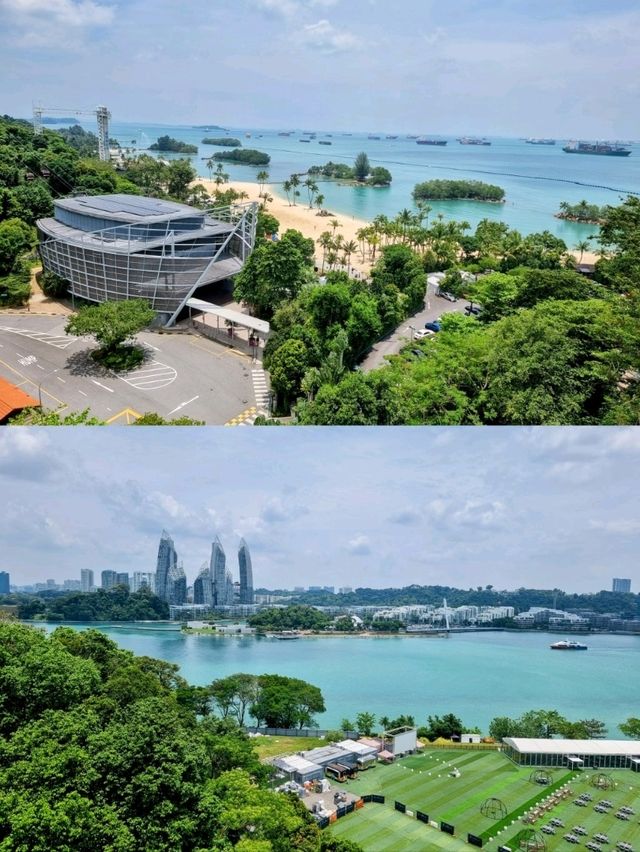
(13, 399)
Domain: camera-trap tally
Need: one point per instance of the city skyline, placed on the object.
(572, 66)
(512, 507)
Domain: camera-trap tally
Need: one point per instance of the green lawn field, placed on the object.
(422, 782)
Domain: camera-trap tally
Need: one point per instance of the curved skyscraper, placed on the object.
(167, 560)
(171, 582)
(218, 571)
(246, 573)
(203, 587)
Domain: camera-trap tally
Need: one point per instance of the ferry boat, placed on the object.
(473, 140)
(284, 635)
(423, 140)
(603, 149)
(540, 141)
(568, 645)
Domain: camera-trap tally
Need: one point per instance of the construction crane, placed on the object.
(101, 113)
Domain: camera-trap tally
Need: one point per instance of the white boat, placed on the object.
(568, 645)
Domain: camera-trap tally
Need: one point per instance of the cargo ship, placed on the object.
(472, 140)
(424, 141)
(603, 149)
(540, 141)
(567, 645)
(324, 142)
(374, 137)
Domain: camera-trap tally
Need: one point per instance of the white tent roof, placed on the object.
(356, 747)
(246, 321)
(630, 748)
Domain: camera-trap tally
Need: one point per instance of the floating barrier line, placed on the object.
(468, 171)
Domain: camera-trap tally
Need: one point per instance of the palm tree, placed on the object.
(582, 246)
(287, 186)
(319, 201)
(325, 241)
(335, 224)
(295, 183)
(262, 177)
(312, 188)
(349, 249)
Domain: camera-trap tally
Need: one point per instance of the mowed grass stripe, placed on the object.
(377, 828)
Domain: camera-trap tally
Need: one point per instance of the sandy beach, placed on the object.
(302, 218)
(311, 225)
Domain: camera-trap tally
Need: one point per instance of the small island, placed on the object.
(458, 190)
(168, 143)
(361, 173)
(223, 142)
(244, 157)
(589, 214)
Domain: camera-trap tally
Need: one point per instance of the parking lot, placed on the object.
(182, 375)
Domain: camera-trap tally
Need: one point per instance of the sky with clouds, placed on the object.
(359, 507)
(512, 67)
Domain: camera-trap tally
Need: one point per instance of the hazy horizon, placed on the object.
(500, 68)
(510, 507)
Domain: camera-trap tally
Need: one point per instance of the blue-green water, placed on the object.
(476, 675)
(536, 178)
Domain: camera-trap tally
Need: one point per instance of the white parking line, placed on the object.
(83, 393)
(101, 386)
(151, 376)
(64, 381)
(182, 404)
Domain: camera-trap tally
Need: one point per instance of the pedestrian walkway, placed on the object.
(247, 418)
(261, 389)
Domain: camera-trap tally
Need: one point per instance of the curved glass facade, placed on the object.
(125, 247)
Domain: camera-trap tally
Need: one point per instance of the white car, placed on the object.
(421, 333)
(448, 296)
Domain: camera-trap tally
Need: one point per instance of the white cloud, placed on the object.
(620, 526)
(406, 517)
(359, 546)
(323, 36)
(55, 23)
(24, 454)
(278, 7)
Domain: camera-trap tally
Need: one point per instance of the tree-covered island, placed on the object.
(457, 190)
(223, 141)
(361, 173)
(244, 157)
(169, 144)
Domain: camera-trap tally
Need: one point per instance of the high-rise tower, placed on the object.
(203, 587)
(246, 573)
(218, 571)
(167, 563)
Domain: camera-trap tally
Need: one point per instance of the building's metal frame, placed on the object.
(101, 113)
(143, 259)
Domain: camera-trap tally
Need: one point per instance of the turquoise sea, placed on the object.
(536, 178)
(476, 675)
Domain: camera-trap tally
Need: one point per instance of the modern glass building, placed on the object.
(109, 579)
(203, 587)
(573, 754)
(246, 573)
(5, 585)
(167, 560)
(114, 247)
(218, 571)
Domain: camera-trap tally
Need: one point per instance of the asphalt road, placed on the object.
(435, 306)
(182, 375)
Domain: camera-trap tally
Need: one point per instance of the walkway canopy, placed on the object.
(261, 327)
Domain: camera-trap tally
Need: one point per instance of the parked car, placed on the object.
(418, 353)
(448, 296)
(422, 333)
(473, 310)
(433, 326)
